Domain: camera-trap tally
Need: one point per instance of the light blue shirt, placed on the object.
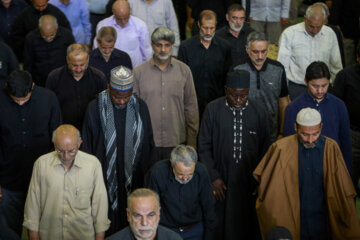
(78, 15)
(97, 6)
(133, 39)
(155, 14)
(268, 10)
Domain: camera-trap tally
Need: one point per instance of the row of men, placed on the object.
(63, 187)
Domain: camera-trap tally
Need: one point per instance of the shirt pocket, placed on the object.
(82, 199)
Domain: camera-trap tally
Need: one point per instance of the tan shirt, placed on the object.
(67, 204)
(171, 99)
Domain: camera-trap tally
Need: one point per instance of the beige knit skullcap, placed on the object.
(308, 117)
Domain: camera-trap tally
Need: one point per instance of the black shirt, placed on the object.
(183, 204)
(41, 57)
(8, 62)
(74, 96)
(28, 20)
(116, 59)
(25, 135)
(347, 88)
(237, 44)
(208, 66)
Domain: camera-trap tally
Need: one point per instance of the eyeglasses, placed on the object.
(70, 152)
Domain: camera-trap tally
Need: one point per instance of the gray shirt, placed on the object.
(162, 234)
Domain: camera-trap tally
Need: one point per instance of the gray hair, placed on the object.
(108, 32)
(256, 36)
(77, 133)
(312, 11)
(235, 7)
(324, 6)
(143, 192)
(163, 33)
(77, 48)
(43, 18)
(185, 154)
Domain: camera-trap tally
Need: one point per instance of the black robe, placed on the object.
(236, 215)
(93, 143)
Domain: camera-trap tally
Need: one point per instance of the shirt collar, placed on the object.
(129, 23)
(236, 109)
(78, 162)
(309, 97)
(152, 63)
(263, 68)
(317, 35)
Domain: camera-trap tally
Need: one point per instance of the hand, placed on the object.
(219, 189)
(284, 22)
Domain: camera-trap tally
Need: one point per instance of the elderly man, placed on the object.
(28, 116)
(305, 42)
(143, 214)
(45, 48)
(209, 59)
(76, 84)
(106, 57)
(157, 13)
(237, 31)
(233, 137)
(28, 20)
(117, 129)
(304, 185)
(183, 177)
(167, 87)
(268, 83)
(133, 36)
(333, 111)
(77, 13)
(67, 196)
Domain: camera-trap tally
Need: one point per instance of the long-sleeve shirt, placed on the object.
(298, 49)
(171, 99)
(269, 10)
(77, 13)
(155, 14)
(67, 203)
(334, 116)
(134, 38)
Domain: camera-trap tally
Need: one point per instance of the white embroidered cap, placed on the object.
(308, 117)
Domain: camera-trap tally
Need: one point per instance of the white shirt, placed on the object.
(298, 49)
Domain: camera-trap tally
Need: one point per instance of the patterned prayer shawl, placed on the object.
(133, 138)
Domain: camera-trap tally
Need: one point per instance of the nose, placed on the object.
(144, 221)
(122, 101)
(20, 102)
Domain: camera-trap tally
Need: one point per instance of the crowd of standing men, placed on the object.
(115, 128)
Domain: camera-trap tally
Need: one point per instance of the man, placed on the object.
(333, 111)
(233, 137)
(305, 42)
(193, 217)
(237, 31)
(347, 88)
(143, 214)
(117, 129)
(304, 185)
(106, 57)
(97, 10)
(167, 87)
(133, 36)
(269, 17)
(67, 196)
(77, 13)
(268, 84)
(45, 48)
(28, 20)
(157, 13)
(8, 62)
(209, 59)
(76, 84)
(9, 9)
(28, 116)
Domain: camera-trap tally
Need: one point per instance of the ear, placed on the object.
(295, 127)
(247, 49)
(227, 17)
(198, 23)
(128, 214)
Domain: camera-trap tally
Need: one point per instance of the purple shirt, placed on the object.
(133, 39)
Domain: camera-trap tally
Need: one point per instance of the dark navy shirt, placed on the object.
(312, 199)
(334, 116)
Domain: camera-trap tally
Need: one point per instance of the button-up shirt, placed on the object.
(268, 10)
(97, 6)
(298, 49)
(134, 38)
(171, 99)
(78, 15)
(67, 203)
(155, 14)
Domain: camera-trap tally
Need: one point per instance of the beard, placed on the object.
(207, 37)
(160, 56)
(137, 231)
(181, 181)
(235, 27)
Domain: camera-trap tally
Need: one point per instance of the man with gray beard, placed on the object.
(209, 58)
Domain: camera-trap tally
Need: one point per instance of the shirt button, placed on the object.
(163, 84)
(23, 132)
(23, 119)
(163, 108)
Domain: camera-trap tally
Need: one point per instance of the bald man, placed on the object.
(132, 34)
(67, 197)
(45, 48)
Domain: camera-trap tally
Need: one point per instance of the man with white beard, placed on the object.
(167, 87)
(187, 200)
(237, 31)
(143, 214)
(209, 58)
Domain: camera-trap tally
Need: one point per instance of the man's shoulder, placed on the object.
(53, 9)
(164, 233)
(99, 75)
(160, 168)
(88, 159)
(137, 22)
(57, 72)
(275, 63)
(222, 31)
(285, 142)
(191, 41)
(215, 106)
(65, 32)
(43, 94)
(180, 64)
(119, 53)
